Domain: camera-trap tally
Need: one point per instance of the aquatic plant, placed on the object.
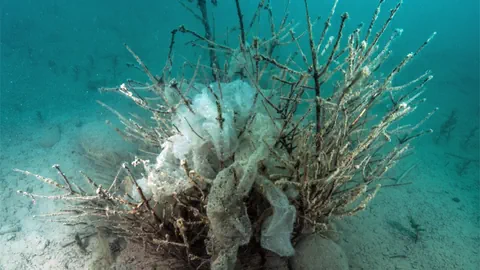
(266, 149)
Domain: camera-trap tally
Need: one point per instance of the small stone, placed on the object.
(315, 252)
(332, 233)
(99, 142)
(455, 199)
(49, 136)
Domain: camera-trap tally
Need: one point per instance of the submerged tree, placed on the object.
(263, 150)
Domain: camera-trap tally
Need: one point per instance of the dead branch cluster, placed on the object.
(330, 149)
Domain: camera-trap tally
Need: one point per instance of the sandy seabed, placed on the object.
(443, 202)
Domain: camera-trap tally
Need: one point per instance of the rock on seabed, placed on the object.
(315, 252)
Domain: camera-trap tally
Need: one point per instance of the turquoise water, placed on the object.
(55, 55)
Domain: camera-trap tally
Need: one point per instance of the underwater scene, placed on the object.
(240, 134)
